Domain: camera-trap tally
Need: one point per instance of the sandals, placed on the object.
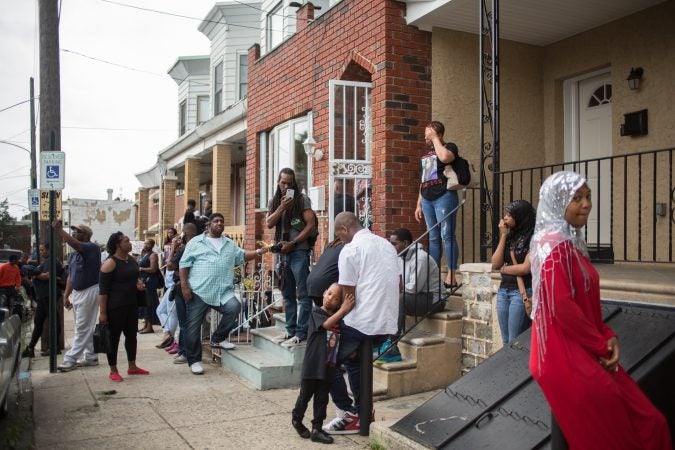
(115, 377)
(138, 371)
(166, 342)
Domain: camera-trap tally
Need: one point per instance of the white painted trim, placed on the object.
(571, 112)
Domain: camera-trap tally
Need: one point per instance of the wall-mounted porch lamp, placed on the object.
(310, 148)
(634, 78)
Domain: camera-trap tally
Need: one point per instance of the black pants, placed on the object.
(41, 315)
(319, 390)
(122, 320)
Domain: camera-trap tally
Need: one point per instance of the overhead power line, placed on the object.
(195, 18)
(135, 69)
(16, 104)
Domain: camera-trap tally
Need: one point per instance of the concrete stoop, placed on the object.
(431, 352)
(265, 363)
(431, 357)
(381, 433)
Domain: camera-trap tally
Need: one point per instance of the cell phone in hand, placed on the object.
(290, 193)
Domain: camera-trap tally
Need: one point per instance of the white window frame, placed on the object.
(241, 80)
(218, 99)
(182, 117)
(200, 119)
(270, 160)
(271, 32)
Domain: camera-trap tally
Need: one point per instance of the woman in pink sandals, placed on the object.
(118, 283)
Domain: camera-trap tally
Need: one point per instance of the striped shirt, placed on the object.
(211, 271)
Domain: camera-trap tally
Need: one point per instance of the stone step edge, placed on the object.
(240, 353)
(643, 288)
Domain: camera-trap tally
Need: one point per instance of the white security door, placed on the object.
(595, 141)
(350, 155)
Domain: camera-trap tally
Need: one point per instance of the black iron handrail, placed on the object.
(443, 294)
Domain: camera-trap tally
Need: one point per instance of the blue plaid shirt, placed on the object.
(211, 272)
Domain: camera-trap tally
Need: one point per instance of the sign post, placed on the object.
(52, 180)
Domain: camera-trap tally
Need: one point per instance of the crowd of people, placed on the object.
(361, 289)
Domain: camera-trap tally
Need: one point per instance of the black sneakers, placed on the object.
(302, 430)
(28, 353)
(321, 437)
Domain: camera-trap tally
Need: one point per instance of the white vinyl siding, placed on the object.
(239, 31)
(276, 24)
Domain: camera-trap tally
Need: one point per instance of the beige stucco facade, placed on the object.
(532, 113)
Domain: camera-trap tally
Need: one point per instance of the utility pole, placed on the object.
(35, 215)
(50, 140)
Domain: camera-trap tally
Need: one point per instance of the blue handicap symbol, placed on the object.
(34, 201)
(52, 172)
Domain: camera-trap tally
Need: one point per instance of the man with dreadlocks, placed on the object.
(294, 223)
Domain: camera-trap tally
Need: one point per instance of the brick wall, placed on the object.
(358, 41)
(143, 212)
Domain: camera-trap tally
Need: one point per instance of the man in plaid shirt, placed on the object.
(207, 282)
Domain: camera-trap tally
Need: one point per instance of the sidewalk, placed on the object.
(171, 408)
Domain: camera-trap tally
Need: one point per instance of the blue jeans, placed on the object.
(511, 314)
(295, 293)
(181, 313)
(434, 211)
(195, 311)
(350, 341)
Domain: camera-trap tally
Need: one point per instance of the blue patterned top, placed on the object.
(211, 271)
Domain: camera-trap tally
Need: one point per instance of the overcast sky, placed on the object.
(114, 120)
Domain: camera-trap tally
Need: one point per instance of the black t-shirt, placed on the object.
(120, 284)
(42, 286)
(509, 281)
(434, 182)
(325, 271)
(176, 262)
(316, 365)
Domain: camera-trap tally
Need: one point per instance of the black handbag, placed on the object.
(102, 340)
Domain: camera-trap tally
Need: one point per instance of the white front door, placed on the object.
(595, 141)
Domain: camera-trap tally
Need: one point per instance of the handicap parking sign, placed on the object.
(34, 200)
(52, 170)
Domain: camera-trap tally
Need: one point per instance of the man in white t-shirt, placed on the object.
(369, 269)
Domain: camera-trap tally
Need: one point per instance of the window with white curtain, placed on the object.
(281, 148)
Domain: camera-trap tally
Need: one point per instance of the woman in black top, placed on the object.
(149, 268)
(118, 284)
(515, 233)
(435, 201)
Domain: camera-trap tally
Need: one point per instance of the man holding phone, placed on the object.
(290, 213)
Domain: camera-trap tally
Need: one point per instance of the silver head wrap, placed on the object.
(551, 229)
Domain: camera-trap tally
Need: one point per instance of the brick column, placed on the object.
(168, 203)
(303, 15)
(143, 212)
(222, 175)
(480, 329)
(192, 180)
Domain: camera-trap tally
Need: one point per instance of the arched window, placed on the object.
(601, 96)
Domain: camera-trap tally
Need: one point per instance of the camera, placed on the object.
(276, 248)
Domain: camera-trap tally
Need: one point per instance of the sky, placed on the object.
(114, 119)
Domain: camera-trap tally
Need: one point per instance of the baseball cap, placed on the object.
(82, 228)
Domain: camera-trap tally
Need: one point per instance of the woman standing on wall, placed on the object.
(435, 201)
(574, 355)
(510, 257)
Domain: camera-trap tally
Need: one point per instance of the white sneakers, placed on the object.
(180, 359)
(87, 362)
(293, 342)
(282, 337)
(197, 369)
(225, 345)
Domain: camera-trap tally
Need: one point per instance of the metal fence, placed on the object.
(633, 203)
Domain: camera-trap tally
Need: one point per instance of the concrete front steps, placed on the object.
(432, 356)
(265, 363)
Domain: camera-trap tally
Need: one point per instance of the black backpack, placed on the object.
(462, 169)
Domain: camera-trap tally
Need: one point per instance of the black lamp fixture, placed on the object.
(634, 78)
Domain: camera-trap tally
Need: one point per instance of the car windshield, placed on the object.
(5, 253)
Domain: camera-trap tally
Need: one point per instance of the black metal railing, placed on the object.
(633, 203)
(436, 295)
